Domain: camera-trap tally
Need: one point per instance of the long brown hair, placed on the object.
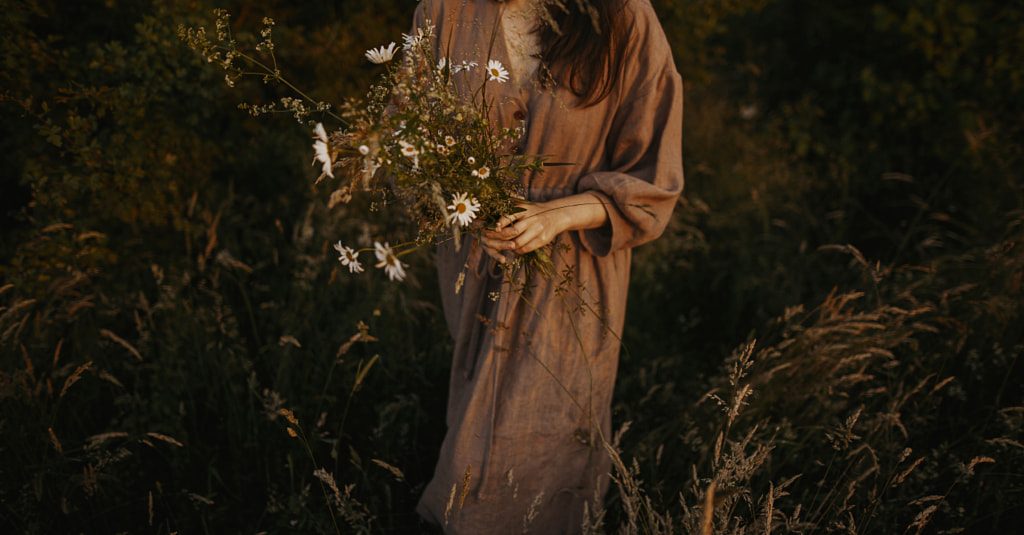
(581, 46)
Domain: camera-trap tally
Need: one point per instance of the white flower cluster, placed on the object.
(427, 132)
(386, 259)
(322, 150)
(440, 154)
(267, 44)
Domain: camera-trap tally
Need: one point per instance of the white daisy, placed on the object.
(483, 172)
(319, 132)
(370, 167)
(389, 261)
(464, 209)
(410, 151)
(348, 258)
(410, 41)
(323, 153)
(496, 71)
(382, 54)
(464, 66)
(449, 140)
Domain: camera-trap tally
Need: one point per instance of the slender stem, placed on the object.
(275, 74)
(309, 451)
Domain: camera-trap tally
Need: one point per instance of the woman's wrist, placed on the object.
(581, 211)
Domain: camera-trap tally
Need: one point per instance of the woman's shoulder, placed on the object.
(643, 29)
(648, 54)
(640, 15)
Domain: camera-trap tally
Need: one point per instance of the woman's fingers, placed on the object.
(507, 233)
(494, 248)
(503, 222)
(538, 224)
(500, 258)
(509, 219)
(526, 241)
(520, 239)
(522, 232)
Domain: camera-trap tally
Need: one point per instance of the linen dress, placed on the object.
(533, 370)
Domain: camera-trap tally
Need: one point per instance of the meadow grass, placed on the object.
(210, 368)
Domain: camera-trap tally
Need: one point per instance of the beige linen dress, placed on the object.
(532, 376)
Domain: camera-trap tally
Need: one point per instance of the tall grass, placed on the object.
(862, 408)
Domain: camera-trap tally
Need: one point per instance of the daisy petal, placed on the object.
(496, 71)
(381, 54)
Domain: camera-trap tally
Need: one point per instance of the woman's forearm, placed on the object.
(539, 223)
(579, 212)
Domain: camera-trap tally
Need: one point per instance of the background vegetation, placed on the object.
(825, 340)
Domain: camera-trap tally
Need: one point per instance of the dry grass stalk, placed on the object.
(165, 438)
(707, 527)
(74, 377)
(451, 502)
(465, 485)
(122, 342)
(399, 476)
(54, 441)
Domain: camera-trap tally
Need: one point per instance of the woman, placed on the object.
(529, 409)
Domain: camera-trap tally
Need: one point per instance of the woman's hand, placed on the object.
(539, 223)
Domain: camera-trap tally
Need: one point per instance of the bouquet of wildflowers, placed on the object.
(416, 138)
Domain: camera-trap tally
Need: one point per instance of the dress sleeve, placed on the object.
(644, 178)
